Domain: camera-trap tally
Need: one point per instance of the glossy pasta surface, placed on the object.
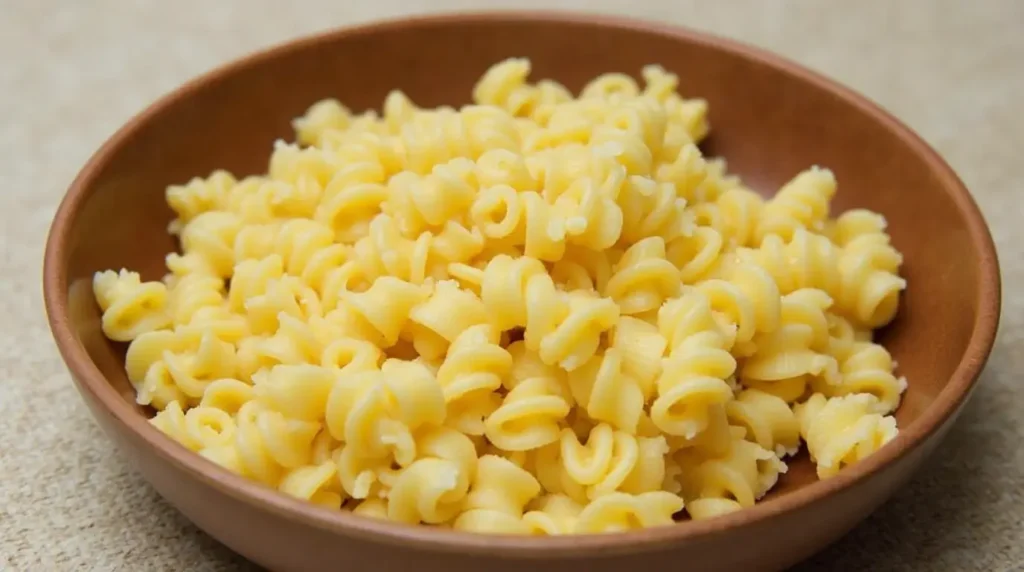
(543, 313)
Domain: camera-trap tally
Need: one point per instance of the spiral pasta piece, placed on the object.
(432, 488)
(696, 256)
(497, 498)
(563, 328)
(653, 209)
(870, 285)
(642, 347)
(852, 224)
(207, 243)
(842, 430)
(421, 202)
(867, 368)
(528, 417)
(386, 306)
(606, 393)
(322, 116)
(595, 219)
(767, 419)
(148, 373)
(643, 278)
(610, 460)
(693, 375)
(800, 203)
(582, 269)
(198, 428)
(553, 514)
(748, 297)
(428, 491)
(190, 294)
(504, 85)
(718, 485)
(795, 354)
(193, 371)
(619, 512)
(372, 508)
(861, 275)
(735, 214)
(376, 412)
(317, 484)
(437, 321)
(130, 306)
(807, 260)
(290, 163)
(473, 369)
(268, 443)
(199, 196)
(284, 296)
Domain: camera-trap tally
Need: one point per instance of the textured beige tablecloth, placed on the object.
(71, 71)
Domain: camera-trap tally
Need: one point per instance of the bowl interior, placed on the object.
(768, 123)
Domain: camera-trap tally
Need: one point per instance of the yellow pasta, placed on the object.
(537, 314)
(497, 498)
(842, 430)
(719, 484)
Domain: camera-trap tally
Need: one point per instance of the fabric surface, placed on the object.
(71, 72)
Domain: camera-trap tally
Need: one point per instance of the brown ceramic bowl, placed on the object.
(770, 118)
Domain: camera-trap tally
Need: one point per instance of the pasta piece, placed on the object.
(322, 116)
(718, 485)
(602, 389)
(642, 347)
(767, 419)
(372, 508)
(198, 428)
(429, 491)
(794, 356)
(564, 329)
(317, 484)
(619, 512)
(697, 256)
(528, 417)
(611, 460)
(470, 374)
(130, 307)
(290, 163)
(190, 294)
(433, 488)
(870, 286)
(800, 203)
(735, 214)
(268, 443)
(652, 209)
(504, 86)
(643, 279)
(497, 498)
(693, 376)
(842, 430)
(553, 514)
(199, 195)
(867, 368)
(749, 298)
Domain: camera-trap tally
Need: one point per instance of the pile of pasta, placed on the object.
(536, 314)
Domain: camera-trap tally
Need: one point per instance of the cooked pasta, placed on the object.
(538, 314)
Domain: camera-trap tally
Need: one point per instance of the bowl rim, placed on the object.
(91, 381)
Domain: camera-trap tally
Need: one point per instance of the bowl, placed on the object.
(770, 118)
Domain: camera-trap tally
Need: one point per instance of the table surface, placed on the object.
(71, 72)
